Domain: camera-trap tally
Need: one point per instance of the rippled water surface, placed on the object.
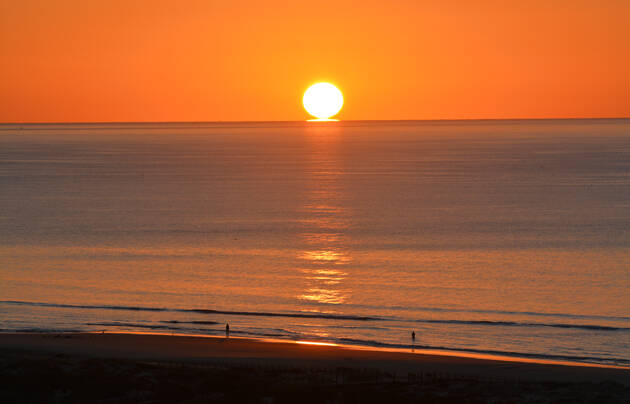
(483, 236)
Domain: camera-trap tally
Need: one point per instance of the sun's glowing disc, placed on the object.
(322, 100)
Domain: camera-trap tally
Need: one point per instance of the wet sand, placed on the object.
(243, 369)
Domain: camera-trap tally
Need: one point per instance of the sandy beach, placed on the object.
(134, 367)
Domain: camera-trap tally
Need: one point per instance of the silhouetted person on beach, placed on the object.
(227, 330)
(413, 337)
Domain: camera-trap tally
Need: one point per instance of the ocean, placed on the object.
(503, 237)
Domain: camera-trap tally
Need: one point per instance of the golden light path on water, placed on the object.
(325, 221)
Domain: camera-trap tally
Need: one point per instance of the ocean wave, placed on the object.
(572, 316)
(189, 322)
(36, 330)
(592, 327)
(282, 334)
(506, 312)
(134, 325)
(271, 314)
(79, 306)
(121, 324)
(199, 311)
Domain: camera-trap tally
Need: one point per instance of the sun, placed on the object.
(322, 100)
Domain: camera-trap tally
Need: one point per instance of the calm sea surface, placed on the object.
(508, 237)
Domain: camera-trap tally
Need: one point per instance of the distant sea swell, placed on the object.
(593, 327)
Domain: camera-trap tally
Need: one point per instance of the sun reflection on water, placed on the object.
(332, 256)
(325, 222)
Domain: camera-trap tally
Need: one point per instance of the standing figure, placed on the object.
(227, 330)
(413, 337)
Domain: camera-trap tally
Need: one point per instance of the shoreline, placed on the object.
(410, 350)
(420, 350)
(253, 352)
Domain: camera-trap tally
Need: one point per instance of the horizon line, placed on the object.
(306, 121)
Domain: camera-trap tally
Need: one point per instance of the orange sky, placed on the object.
(205, 60)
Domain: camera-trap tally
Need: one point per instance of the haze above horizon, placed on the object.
(198, 61)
